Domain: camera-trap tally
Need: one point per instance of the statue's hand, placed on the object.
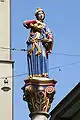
(31, 25)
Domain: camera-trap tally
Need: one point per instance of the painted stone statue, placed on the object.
(39, 45)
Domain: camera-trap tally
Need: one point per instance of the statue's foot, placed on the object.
(30, 76)
(35, 75)
(39, 75)
(45, 75)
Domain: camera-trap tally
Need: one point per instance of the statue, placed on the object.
(39, 89)
(39, 45)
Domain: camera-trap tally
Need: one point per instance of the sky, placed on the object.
(63, 18)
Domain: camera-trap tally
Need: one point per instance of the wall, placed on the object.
(4, 29)
(6, 65)
(77, 116)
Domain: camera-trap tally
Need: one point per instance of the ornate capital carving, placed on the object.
(39, 96)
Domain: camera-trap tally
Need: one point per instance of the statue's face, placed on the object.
(40, 15)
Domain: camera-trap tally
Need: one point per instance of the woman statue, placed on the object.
(39, 45)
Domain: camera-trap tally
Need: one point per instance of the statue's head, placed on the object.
(40, 15)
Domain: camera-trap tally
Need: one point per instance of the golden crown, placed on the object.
(38, 9)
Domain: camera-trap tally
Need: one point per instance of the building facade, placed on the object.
(69, 107)
(6, 64)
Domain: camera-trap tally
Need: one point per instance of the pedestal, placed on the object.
(39, 93)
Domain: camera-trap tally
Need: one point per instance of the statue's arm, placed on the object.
(49, 41)
(29, 23)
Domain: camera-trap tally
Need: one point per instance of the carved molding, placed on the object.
(39, 98)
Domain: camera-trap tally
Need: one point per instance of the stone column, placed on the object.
(39, 116)
(39, 93)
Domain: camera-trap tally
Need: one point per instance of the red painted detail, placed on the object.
(30, 21)
(50, 89)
